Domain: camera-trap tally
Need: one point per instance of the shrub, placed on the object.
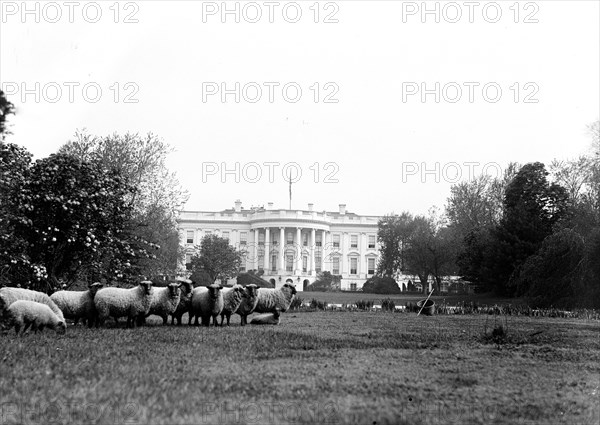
(364, 304)
(296, 303)
(381, 285)
(248, 278)
(318, 305)
(388, 305)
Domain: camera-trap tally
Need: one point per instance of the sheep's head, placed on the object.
(251, 291)
(93, 288)
(146, 285)
(214, 290)
(60, 327)
(290, 288)
(174, 291)
(186, 287)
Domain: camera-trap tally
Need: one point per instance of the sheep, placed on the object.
(266, 319)
(77, 305)
(185, 300)
(10, 295)
(248, 303)
(232, 298)
(271, 300)
(164, 302)
(37, 315)
(118, 302)
(207, 301)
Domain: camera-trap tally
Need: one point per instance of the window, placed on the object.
(188, 261)
(353, 265)
(336, 241)
(226, 234)
(370, 266)
(273, 263)
(261, 260)
(304, 263)
(319, 239)
(372, 241)
(190, 237)
(353, 286)
(261, 239)
(243, 264)
(207, 232)
(243, 238)
(353, 241)
(335, 268)
(289, 262)
(317, 262)
(290, 238)
(305, 239)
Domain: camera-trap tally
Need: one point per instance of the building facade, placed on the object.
(291, 244)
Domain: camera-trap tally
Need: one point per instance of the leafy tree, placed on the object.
(75, 220)
(531, 207)
(6, 108)
(217, 258)
(325, 282)
(157, 197)
(393, 233)
(381, 285)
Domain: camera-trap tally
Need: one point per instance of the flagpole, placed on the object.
(290, 179)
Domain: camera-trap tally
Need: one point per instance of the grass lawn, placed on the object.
(347, 297)
(316, 367)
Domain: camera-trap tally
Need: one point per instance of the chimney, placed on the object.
(342, 209)
(310, 207)
(238, 206)
(270, 206)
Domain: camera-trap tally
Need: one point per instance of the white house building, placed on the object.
(291, 244)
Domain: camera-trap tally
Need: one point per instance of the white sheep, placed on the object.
(185, 300)
(37, 315)
(266, 319)
(164, 301)
(248, 304)
(77, 305)
(207, 302)
(10, 295)
(118, 302)
(270, 300)
(232, 298)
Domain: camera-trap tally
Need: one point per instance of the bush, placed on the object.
(381, 285)
(325, 282)
(364, 304)
(388, 305)
(296, 303)
(318, 305)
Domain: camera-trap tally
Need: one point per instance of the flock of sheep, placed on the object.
(23, 308)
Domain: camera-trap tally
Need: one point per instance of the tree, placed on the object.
(531, 207)
(76, 217)
(253, 277)
(157, 197)
(393, 233)
(6, 108)
(325, 282)
(217, 258)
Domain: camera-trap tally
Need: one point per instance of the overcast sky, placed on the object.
(370, 133)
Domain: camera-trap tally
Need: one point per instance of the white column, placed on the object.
(326, 250)
(344, 251)
(267, 251)
(312, 246)
(255, 260)
(362, 249)
(281, 249)
(298, 265)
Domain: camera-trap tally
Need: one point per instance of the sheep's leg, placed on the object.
(28, 324)
(196, 321)
(222, 318)
(17, 328)
(165, 319)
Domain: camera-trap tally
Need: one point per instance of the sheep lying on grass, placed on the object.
(248, 304)
(185, 300)
(272, 300)
(232, 298)
(207, 302)
(164, 302)
(118, 302)
(37, 315)
(77, 305)
(266, 319)
(10, 295)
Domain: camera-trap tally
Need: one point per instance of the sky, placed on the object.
(379, 105)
